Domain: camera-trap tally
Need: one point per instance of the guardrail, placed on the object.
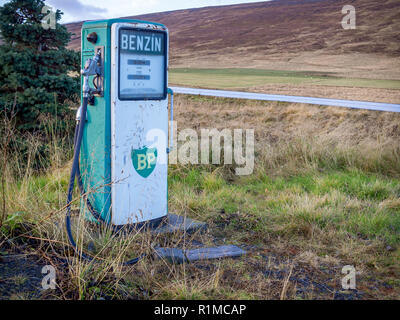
(377, 106)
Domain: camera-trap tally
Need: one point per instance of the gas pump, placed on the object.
(121, 139)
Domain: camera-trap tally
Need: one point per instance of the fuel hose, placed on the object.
(75, 172)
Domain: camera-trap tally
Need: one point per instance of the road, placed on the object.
(377, 106)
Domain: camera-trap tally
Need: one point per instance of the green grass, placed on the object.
(350, 202)
(244, 78)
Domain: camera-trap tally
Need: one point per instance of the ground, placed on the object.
(324, 194)
(21, 277)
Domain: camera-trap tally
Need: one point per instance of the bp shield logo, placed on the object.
(144, 160)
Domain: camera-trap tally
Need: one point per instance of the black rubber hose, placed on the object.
(75, 171)
(77, 147)
(91, 209)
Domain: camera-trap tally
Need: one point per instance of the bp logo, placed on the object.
(144, 160)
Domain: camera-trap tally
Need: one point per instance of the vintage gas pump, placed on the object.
(121, 140)
(129, 171)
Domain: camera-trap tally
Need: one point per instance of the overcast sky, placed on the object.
(77, 10)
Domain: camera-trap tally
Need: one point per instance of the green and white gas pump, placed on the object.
(121, 139)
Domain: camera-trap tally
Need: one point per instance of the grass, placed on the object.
(348, 201)
(325, 193)
(244, 78)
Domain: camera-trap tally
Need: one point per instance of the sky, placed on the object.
(77, 10)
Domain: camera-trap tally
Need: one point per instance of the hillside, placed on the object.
(285, 35)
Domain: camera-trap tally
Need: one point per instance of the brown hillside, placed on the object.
(285, 34)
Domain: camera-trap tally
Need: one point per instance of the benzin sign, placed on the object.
(141, 42)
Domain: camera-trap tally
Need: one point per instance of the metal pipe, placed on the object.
(171, 136)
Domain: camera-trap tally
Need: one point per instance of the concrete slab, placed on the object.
(174, 223)
(175, 255)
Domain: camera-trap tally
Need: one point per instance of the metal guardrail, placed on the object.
(377, 106)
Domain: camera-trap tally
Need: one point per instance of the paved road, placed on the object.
(378, 106)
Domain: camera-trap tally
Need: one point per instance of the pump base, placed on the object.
(169, 224)
(175, 223)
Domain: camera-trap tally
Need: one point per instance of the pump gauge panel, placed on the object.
(142, 64)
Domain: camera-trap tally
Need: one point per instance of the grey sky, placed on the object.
(75, 8)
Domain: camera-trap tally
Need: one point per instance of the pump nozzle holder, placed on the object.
(92, 68)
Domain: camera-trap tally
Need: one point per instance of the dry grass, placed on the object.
(350, 65)
(279, 122)
(346, 93)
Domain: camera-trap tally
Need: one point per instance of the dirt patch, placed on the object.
(21, 277)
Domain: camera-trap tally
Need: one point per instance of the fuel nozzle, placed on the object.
(92, 68)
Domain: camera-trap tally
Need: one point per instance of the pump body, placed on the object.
(124, 153)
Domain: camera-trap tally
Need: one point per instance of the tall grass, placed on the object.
(309, 153)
